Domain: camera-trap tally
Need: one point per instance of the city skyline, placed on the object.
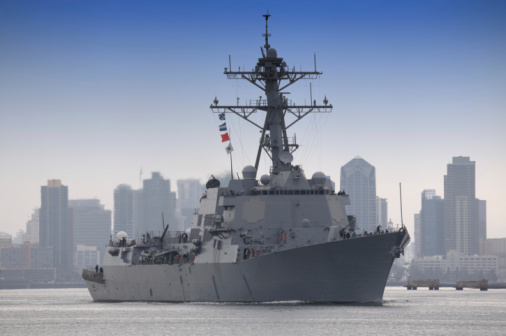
(91, 94)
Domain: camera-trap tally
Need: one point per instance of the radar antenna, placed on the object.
(272, 75)
(267, 46)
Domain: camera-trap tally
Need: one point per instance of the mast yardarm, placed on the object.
(272, 75)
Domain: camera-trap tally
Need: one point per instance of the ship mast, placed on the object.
(272, 76)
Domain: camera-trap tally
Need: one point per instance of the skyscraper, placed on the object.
(138, 212)
(189, 192)
(19, 238)
(32, 228)
(482, 219)
(92, 224)
(382, 212)
(461, 207)
(418, 236)
(124, 210)
(432, 224)
(55, 227)
(158, 200)
(358, 179)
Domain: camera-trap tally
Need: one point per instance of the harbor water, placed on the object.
(420, 312)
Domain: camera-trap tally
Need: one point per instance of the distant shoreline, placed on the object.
(491, 285)
(24, 285)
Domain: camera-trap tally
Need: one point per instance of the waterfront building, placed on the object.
(27, 263)
(497, 247)
(30, 275)
(5, 240)
(358, 180)
(92, 223)
(26, 256)
(472, 263)
(431, 224)
(454, 261)
(12, 258)
(431, 265)
(55, 227)
(461, 227)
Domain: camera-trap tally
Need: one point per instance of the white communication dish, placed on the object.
(285, 157)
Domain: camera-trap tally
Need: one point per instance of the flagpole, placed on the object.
(231, 168)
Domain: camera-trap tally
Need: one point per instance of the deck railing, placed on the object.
(91, 275)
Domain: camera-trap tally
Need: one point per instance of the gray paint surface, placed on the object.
(285, 238)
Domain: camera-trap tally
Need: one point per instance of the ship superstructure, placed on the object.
(282, 237)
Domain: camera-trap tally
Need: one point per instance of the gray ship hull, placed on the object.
(343, 271)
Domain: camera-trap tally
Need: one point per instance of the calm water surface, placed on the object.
(421, 312)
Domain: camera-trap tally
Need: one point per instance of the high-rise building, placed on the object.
(5, 240)
(382, 212)
(55, 227)
(432, 224)
(358, 179)
(12, 258)
(124, 210)
(418, 236)
(32, 228)
(189, 192)
(138, 212)
(92, 223)
(497, 247)
(461, 207)
(482, 219)
(158, 202)
(20, 237)
(26, 256)
(87, 256)
(128, 211)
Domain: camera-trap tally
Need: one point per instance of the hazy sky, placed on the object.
(93, 91)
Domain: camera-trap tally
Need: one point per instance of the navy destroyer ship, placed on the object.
(282, 237)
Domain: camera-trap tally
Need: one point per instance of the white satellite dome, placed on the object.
(249, 173)
(319, 179)
(120, 235)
